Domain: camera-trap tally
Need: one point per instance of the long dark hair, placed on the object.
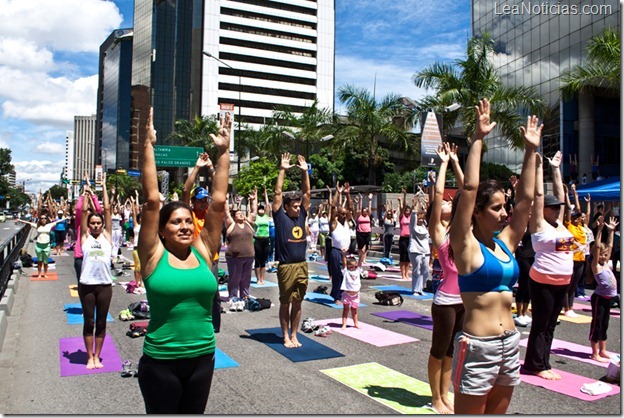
(168, 209)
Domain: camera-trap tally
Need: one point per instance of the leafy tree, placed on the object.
(602, 69)
(57, 191)
(368, 123)
(498, 172)
(195, 133)
(468, 80)
(124, 185)
(262, 173)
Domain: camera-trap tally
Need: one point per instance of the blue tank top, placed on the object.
(494, 275)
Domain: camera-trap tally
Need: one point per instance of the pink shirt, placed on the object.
(363, 224)
(98, 209)
(449, 285)
(404, 222)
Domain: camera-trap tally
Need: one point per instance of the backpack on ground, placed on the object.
(27, 260)
(320, 289)
(389, 298)
(139, 309)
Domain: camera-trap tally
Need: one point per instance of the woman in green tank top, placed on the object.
(175, 371)
(262, 243)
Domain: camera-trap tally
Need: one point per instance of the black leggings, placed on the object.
(522, 293)
(601, 310)
(387, 241)
(95, 300)
(448, 320)
(577, 274)
(261, 251)
(179, 386)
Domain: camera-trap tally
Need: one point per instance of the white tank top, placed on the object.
(341, 236)
(96, 261)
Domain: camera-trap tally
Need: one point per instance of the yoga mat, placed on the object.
(369, 334)
(73, 290)
(395, 390)
(570, 350)
(222, 361)
(404, 291)
(580, 307)
(310, 349)
(395, 277)
(74, 314)
(73, 357)
(569, 384)
(254, 284)
(424, 296)
(319, 278)
(407, 317)
(582, 319)
(51, 275)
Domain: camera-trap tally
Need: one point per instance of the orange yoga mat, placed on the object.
(51, 275)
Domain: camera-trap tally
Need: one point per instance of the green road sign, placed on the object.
(174, 156)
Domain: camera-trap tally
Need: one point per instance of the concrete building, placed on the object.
(83, 138)
(113, 146)
(534, 44)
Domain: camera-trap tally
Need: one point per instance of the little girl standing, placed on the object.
(350, 288)
(606, 289)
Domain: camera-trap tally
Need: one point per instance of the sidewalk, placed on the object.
(265, 381)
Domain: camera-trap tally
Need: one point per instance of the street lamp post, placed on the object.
(238, 128)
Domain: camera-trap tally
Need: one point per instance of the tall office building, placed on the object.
(278, 52)
(534, 43)
(83, 138)
(113, 146)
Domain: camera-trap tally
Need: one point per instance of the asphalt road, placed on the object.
(265, 382)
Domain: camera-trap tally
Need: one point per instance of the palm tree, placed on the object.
(194, 134)
(467, 81)
(602, 69)
(370, 124)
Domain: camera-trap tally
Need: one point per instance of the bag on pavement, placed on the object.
(389, 298)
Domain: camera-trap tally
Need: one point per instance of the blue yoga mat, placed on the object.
(404, 291)
(254, 283)
(222, 361)
(323, 299)
(320, 278)
(310, 349)
(74, 314)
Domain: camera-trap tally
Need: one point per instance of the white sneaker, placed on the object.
(233, 304)
(571, 314)
(520, 321)
(240, 305)
(528, 319)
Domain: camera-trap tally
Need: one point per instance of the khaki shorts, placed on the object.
(292, 280)
(479, 363)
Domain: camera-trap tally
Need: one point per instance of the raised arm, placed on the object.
(34, 225)
(536, 221)
(305, 182)
(463, 242)
(525, 189)
(279, 184)
(210, 235)
(150, 248)
(437, 230)
(203, 160)
(459, 174)
(84, 227)
(107, 209)
(253, 198)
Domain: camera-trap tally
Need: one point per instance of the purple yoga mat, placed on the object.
(73, 357)
(408, 317)
(570, 350)
(369, 334)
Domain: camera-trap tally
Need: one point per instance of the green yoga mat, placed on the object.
(398, 391)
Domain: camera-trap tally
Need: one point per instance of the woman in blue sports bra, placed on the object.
(486, 365)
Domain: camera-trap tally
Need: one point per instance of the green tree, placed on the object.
(262, 173)
(57, 191)
(195, 133)
(468, 80)
(370, 126)
(602, 69)
(124, 185)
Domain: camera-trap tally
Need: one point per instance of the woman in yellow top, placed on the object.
(573, 220)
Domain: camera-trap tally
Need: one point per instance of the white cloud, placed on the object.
(50, 148)
(24, 54)
(38, 174)
(63, 25)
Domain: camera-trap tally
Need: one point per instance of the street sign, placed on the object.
(136, 173)
(2, 197)
(309, 169)
(174, 156)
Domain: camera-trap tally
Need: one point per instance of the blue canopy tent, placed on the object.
(607, 189)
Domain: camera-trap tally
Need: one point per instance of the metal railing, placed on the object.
(9, 254)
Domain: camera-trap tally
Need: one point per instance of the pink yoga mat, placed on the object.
(581, 307)
(370, 334)
(570, 350)
(569, 384)
(73, 357)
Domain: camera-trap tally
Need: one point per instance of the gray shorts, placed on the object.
(479, 363)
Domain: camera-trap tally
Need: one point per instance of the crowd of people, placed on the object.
(475, 246)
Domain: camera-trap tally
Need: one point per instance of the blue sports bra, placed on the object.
(494, 275)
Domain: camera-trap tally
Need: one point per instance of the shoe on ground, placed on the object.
(233, 304)
(240, 305)
(528, 319)
(126, 371)
(520, 321)
(323, 331)
(571, 314)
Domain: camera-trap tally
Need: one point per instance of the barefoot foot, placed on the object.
(604, 354)
(547, 374)
(599, 358)
(357, 326)
(90, 364)
(288, 343)
(344, 326)
(440, 407)
(98, 364)
(295, 342)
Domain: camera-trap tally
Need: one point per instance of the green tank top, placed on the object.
(262, 226)
(180, 303)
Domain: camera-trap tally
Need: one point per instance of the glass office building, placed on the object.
(534, 43)
(112, 142)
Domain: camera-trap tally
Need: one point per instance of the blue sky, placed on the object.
(49, 53)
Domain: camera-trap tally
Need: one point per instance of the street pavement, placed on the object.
(265, 381)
